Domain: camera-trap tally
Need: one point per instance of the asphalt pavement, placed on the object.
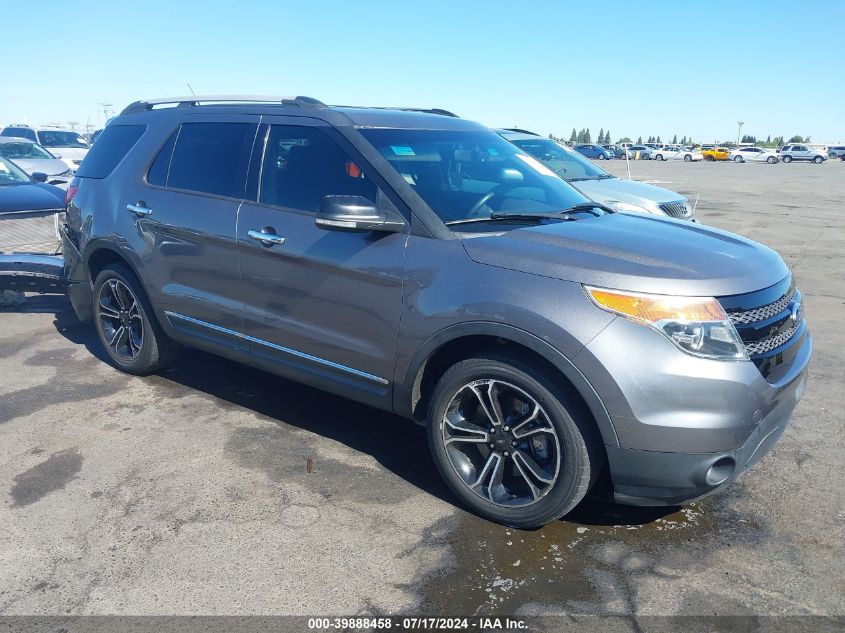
(214, 488)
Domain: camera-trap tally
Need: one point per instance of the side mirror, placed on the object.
(39, 176)
(353, 213)
(56, 155)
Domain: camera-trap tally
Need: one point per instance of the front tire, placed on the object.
(510, 443)
(601, 156)
(817, 160)
(771, 160)
(709, 158)
(658, 157)
(687, 158)
(126, 325)
(737, 159)
(787, 159)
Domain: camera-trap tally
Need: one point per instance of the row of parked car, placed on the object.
(48, 153)
(655, 151)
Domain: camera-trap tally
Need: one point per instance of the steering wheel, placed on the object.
(487, 197)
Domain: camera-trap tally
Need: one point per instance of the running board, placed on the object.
(24, 272)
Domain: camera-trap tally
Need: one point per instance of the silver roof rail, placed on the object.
(194, 100)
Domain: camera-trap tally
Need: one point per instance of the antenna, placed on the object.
(191, 89)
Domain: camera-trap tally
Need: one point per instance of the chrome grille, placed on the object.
(38, 234)
(675, 209)
(763, 312)
(767, 345)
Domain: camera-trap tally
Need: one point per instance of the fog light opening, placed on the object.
(720, 471)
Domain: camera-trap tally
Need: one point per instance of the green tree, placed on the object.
(587, 138)
(684, 140)
(624, 139)
(607, 140)
(574, 137)
(796, 139)
(600, 139)
(675, 140)
(658, 140)
(639, 140)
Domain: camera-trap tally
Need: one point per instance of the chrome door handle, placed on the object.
(267, 239)
(139, 210)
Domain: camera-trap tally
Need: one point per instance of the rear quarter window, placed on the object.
(111, 147)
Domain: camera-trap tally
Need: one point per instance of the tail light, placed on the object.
(72, 188)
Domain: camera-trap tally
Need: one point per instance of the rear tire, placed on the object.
(771, 160)
(787, 159)
(709, 158)
(817, 160)
(738, 159)
(658, 157)
(524, 476)
(601, 156)
(687, 158)
(126, 324)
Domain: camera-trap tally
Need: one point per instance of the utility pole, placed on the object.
(738, 130)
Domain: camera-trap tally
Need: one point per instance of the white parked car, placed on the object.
(65, 144)
(669, 152)
(753, 155)
(34, 159)
(789, 153)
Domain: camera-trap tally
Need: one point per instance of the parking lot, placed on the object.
(216, 489)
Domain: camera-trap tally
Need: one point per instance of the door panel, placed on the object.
(324, 304)
(188, 244)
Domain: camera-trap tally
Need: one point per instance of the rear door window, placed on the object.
(211, 158)
(114, 143)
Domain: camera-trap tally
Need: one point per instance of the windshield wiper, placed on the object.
(516, 215)
(563, 214)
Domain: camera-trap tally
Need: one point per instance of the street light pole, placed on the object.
(738, 130)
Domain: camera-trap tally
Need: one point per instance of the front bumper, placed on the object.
(654, 478)
(685, 427)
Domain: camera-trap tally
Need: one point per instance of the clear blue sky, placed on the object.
(687, 67)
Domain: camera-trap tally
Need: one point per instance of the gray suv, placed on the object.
(422, 264)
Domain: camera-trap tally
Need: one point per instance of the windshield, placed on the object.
(61, 139)
(471, 174)
(11, 174)
(566, 163)
(30, 151)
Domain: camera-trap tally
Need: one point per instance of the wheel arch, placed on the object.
(101, 254)
(455, 343)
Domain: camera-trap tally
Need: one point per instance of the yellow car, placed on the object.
(717, 153)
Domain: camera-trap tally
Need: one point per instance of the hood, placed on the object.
(636, 253)
(626, 191)
(31, 197)
(69, 153)
(49, 166)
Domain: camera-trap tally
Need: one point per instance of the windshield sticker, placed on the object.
(536, 164)
(402, 150)
(492, 151)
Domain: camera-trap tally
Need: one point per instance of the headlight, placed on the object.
(696, 325)
(67, 172)
(626, 207)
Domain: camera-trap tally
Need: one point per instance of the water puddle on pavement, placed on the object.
(584, 564)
